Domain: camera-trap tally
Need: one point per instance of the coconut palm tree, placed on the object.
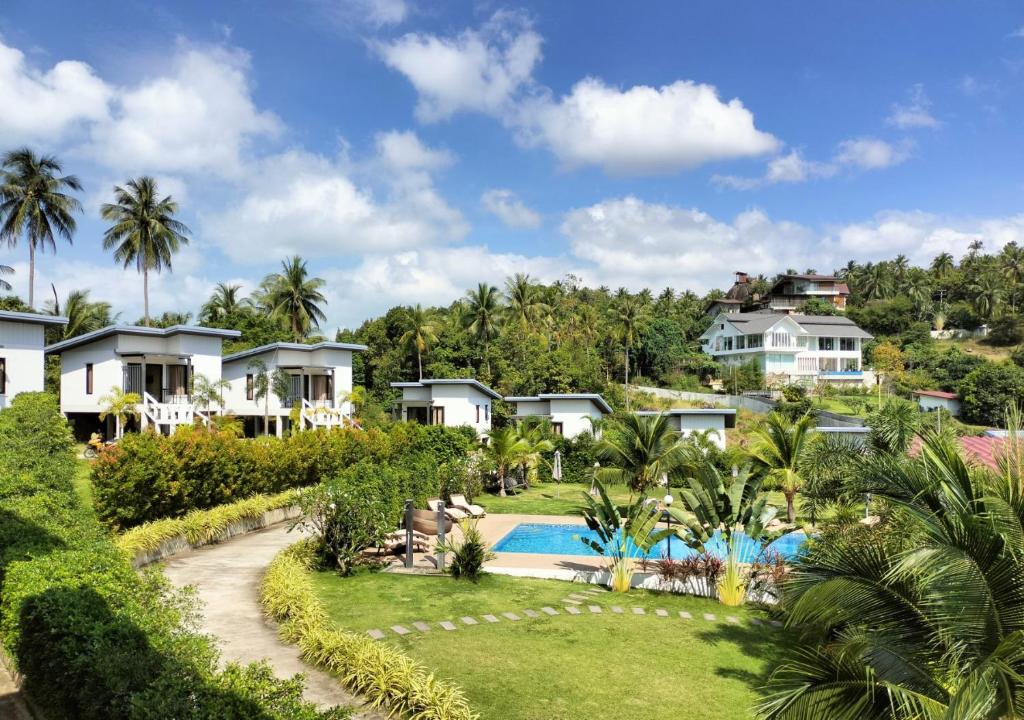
(778, 453)
(943, 265)
(35, 202)
(920, 622)
(987, 291)
(876, 282)
(525, 302)
(420, 333)
(225, 301)
(483, 316)
(5, 270)
(504, 450)
(83, 314)
(639, 451)
(536, 437)
(261, 389)
(122, 405)
(1012, 262)
(630, 317)
(293, 297)
(144, 231)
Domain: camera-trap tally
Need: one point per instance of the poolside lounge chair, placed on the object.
(395, 541)
(452, 512)
(425, 522)
(460, 502)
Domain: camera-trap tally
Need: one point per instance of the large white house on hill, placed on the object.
(319, 382)
(570, 413)
(22, 363)
(451, 402)
(158, 364)
(791, 348)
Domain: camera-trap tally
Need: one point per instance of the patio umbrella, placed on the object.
(556, 470)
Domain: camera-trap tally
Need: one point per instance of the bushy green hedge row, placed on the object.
(92, 638)
(149, 476)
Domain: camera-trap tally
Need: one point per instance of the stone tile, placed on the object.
(376, 634)
(755, 621)
(594, 608)
(660, 612)
(421, 626)
(570, 601)
(469, 620)
(530, 613)
(592, 591)
(776, 623)
(639, 611)
(549, 610)
(490, 618)
(573, 610)
(400, 629)
(616, 609)
(732, 619)
(447, 625)
(577, 596)
(511, 615)
(710, 617)
(685, 615)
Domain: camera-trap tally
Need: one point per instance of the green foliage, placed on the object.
(1007, 330)
(468, 553)
(893, 426)
(743, 378)
(778, 453)
(639, 451)
(988, 391)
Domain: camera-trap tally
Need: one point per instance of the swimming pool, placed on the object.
(547, 539)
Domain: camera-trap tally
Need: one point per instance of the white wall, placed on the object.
(574, 414)
(687, 424)
(460, 403)
(235, 372)
(21, 347)
(928, 403)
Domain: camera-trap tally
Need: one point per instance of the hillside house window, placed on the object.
(847, 344)
(3, 376)
(851, 364)
(755, 341)
(487, 413)
(437, 415)
(741, 342)
(727, 343)
(826, 343)
(478, 413)
(250, 385)
(88, 378)
(829, 364)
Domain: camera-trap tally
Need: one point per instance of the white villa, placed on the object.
(570, 413)
(157, 363)
(792, 348)
(691, 420)
(447, 402)
(929, 400)
(22, 363)
(319, 382)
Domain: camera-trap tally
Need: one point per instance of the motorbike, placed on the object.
(95, 446)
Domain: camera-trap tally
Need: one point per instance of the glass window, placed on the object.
(826, 343)
(249, 386)
(557, 428)
(741, 342)
(3, 376)
(88, 378)
(847, 344)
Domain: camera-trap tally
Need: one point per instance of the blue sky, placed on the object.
(409, 151)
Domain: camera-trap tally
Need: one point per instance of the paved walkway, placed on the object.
(12, 704)
(227, 578)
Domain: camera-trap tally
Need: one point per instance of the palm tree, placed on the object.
(261, 389)
(943, 265)
(504, 450)
(122, 405)
(223, 303)
(1012, 261)
(778, 453)
(919, 290)
(483, 316)
(293, 297)
(876, 282)
(526, 304)
(987, 292)
(83, 314)
(536, 437)
(639, 451)
(5, 270)
(629, 318)
(34, 201)
(893, 426)
(144, 231)
(421, 333)
(922, 621)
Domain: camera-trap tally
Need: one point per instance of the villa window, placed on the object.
(3, 376)
(88, 378)
(487, 413)
(829, 364)
(741, 342)
(437, 415)
(851, 364)
(847, 344)
(558, 428)
(826, 343)
(755, 341)
(250, 386)
(727, 343)
(478, 413)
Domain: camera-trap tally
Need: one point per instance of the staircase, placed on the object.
(321, 416)
(167, 417)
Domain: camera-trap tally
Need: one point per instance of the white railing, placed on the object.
(171, 415)
(320, 414)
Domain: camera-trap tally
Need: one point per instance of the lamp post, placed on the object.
(668, 520)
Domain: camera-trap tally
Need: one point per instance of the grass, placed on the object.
(973, 346)
(546, 499)
(83, 482)
(592, 667)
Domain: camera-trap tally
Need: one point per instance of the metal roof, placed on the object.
(450, 381)
(759, 322)
(140, 330)
(941, 394)
(728, 413)
(592, 397)
(292, 346)
(28, 317)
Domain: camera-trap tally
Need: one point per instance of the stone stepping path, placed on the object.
(594, 608)
(530, 613)
(490, 618)
(511, 616)
(400, 630)
(447, 625)
(376, 634)
(549, 611)
(685, 615)
(421, 626)
(573, 610)
(469, 621)
(661, 613)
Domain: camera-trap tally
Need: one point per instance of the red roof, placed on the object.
(842, 288)
(979, 450)
(938, 394)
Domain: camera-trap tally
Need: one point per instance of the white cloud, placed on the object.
(46, 104)
(915, 113)
(405, 151)
(643, 130)
(477, 70)
(1018, 33)
(507, 207)
(869, 153)
(199, 118)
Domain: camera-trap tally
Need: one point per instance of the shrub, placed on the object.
(468, 553)
(1007, 330)
(987, 392)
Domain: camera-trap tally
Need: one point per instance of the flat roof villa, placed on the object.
(793, 348)
(157, 363)
(22, 362)
(690, 420)
(451, 402)
(570, 413)
(319, 381)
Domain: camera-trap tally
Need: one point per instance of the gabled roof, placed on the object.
(34, 318)
(142, 331)
(592, 397)
(241, 355)
(759, 322)
(450, 381)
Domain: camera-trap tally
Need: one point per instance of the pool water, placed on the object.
(545, 539)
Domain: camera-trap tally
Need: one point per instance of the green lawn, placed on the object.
(545, 499)
(83, 482)
(590, 667)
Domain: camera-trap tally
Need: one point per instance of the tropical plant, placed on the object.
(525, 302)
(294, 298)
(504, 450)
(35, 202)
(144, 231)
(83, 314)
(778, 453)
(639, 451)
(943, 265)
(224, 303)
(420, 334)
(483, 316)
(206, 392)
(920, 621)
(629, 319)
(122, 405)
(5, 270)
(536, 437)
(621, 539)
(261, 388)
(893, 426)
(469, 553)
(987, 292)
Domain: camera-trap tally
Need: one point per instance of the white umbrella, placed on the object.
(556, 468)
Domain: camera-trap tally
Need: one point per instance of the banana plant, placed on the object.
(621, 538)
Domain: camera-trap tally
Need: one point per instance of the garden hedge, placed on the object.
(92, 638)
(148, 476)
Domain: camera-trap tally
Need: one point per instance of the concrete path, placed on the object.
(12, 704)
(227, 578)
